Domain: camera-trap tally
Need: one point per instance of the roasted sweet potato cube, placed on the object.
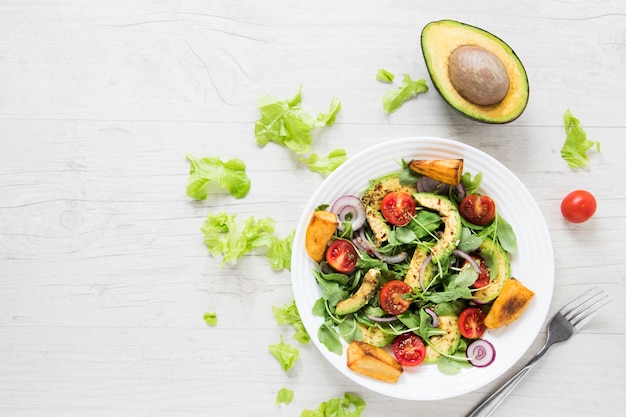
(373, 361)
(318, 233)
(448, 171)
(509, 305)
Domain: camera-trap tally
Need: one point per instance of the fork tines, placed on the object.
(584, 307)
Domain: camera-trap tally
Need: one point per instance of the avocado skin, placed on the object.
(362, 296)
(437, 51)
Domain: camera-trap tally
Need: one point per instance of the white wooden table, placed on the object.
(104, 276)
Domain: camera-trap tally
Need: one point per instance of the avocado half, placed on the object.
(441, 38)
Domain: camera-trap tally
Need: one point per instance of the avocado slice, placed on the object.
(375, 336)
(372, 199)
(499, 264)
(362, 296)
(446, 343)
(412, 278)
(451, 220)
(480, 94)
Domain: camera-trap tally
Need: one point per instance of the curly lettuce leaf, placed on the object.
(230, 175)
(225, 236)
(210, 318)
(284, 396)
(286, 123)
(350, 405)
(325, 165)
(574, 150)
(285, 354)
(385, 76)
(288, 314)
(393, 99)
(279, 252)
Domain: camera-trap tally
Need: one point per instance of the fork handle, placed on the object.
(490, 403)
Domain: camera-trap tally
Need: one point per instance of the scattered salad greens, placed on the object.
(288, 314)
(393, 99)
(325, 165)
(210, 318)
(285, 354)
(350, 405)
(385, 76)
(230, 175)
(284, 396)
(574, 150)
(225, 236)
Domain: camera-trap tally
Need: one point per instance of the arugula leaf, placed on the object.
(285, 354)
(325, 165)
(505, 235)
(393, 99)
(210, 318)
(223, 235)
(205, 171)
(385, 76)
(285, 122)
(288, 314)
(284, 396)
(350, 405)
(574, 150)
(471, 184)
(329, 337)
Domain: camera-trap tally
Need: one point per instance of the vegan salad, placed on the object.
(413, 267)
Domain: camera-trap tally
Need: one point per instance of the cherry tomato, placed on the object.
(342, 256)
(472, 323)
(578, 206)
(398, 208)
(392, 299)
(484, 276)
(409, 349)
(477, 209)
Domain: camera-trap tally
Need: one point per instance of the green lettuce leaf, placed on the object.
(393, 99)
(285, 123)
(210, 318)
(225, 236)
(350, 405)
(288, 314)
(284, 396)
(230, 175)
(285, 354)
(279, 252)
(574, 150)
(325, 165)
(385, 76)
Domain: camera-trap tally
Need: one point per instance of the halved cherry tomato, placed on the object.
(342, 256)
(398, 208)
(484, 276)
(409, 349)
(477, 209)
(578, 206)
(472, 323)
(392, 299)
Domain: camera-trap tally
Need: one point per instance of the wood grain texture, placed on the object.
(104, 277)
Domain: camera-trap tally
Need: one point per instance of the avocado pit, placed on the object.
(478, 75)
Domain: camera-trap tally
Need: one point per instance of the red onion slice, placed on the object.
(468, 258)
(481, 353)
(433, 315)
(349, 206)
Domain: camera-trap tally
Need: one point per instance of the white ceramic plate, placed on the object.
(533, 264)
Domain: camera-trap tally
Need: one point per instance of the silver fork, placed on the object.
(565, 323)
